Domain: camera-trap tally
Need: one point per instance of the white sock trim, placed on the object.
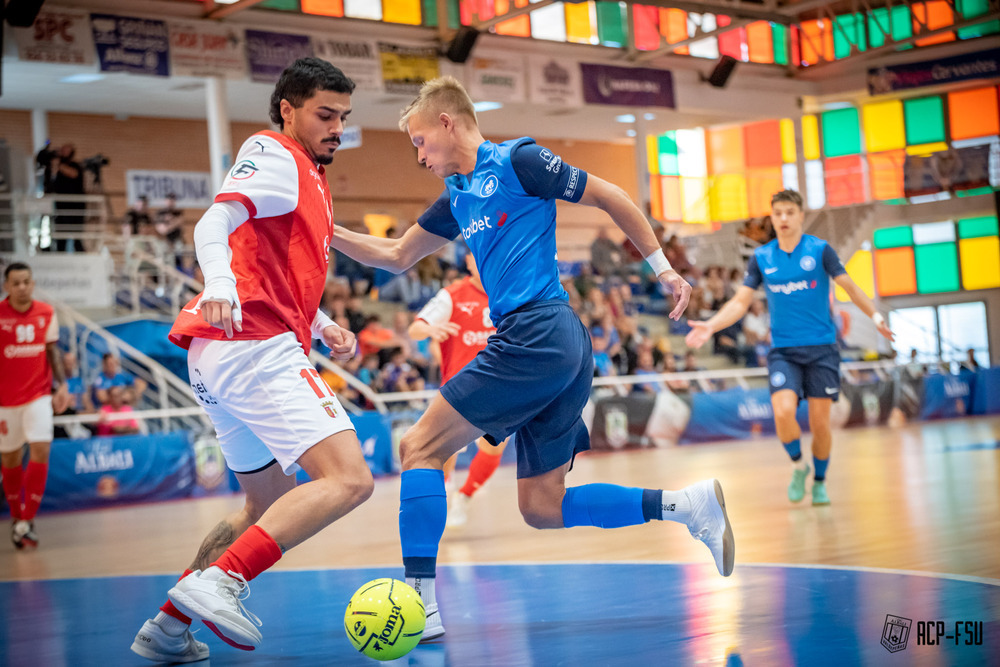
(170, 625)
(675, 506)
(425, 588)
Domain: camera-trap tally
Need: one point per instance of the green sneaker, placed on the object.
(797, 487)
(820, 496)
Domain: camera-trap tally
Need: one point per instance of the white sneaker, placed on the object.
(433, 628)
(217, 599)
(154, 644)
(458, 511)
(710, 524)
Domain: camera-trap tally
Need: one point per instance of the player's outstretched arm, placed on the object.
(729, 314)
(219, 303)
(615, 202)
(396, 255)
(867, 306)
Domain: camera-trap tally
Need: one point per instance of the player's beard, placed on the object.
(325, 158)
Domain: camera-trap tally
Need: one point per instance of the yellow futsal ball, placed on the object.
(385, 619)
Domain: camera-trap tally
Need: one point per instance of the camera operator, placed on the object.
(64, 176)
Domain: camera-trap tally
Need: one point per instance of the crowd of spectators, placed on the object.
(112, 395)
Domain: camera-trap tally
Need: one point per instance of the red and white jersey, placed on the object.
(281, 254)
(24, 367)
(465, 304)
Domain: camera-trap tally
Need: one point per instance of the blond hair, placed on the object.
(441, 95)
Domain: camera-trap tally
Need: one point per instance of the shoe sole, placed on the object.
(187, 606)
(728, 541)
(149, 654)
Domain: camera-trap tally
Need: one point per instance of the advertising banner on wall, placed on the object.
(134, 45)
(57, 36)
(79, 279)
(968, 66)
(192, 188)
(627, 86)
(554, 82)
(207, 49)
(405, 68)
(269, 53)
(498, 78)
(357, 58)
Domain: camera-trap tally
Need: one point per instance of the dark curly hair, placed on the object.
(302, 79)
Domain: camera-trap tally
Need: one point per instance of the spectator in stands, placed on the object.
(169, 224)
(677, 255)
(417, 353)
(727, 341)
(64, 176)
(400, 375)
(757, 331)
(970, 362)
(114, 414)
(715, 287)
(645, 366)
(606, 255)
(137, 220)
(914, 368)
(79, 397)
(606, 344)
(735, 280)
(585, 281)
(112, 376)
(369, 371)
(691, 363)
(375, 338)
(677, 385)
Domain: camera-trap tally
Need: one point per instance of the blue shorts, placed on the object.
(811, 371)
(532, 381)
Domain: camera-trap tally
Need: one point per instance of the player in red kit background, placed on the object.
(457, 319)
(264, 249)
(29, 360)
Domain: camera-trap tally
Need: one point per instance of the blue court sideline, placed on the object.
(550, 614)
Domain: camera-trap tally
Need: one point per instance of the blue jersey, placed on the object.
(506, 212)
(798, 290)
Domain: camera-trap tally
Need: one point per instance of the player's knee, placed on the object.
(540, 517)
(411, 450)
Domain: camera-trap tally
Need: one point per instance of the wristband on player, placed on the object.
(878, 319)
(319, 323)
(658, 261)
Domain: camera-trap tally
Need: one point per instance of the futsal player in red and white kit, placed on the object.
(458, 320)
(29, 360)
(264, 249)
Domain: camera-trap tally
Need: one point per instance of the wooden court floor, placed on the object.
(913, 531)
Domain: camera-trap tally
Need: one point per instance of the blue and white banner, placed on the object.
(119, 469)
(193, 188)
(127, 44)
(979, 65)
(734, 414)
(986, 392)
(946, 396)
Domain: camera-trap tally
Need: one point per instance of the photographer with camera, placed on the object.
(64, 176)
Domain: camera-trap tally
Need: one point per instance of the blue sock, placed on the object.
(794, 449)
(821, 465)
(602, 505)
(423, 509)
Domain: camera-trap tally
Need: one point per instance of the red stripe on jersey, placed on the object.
(238, 197)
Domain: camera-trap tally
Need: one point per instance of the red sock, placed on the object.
(12, 490)
(252, 553)
(170, 610)
(34, 488)
(481, 469)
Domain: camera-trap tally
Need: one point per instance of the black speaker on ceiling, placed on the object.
(22, 13)
(723, 70)
(459, 48)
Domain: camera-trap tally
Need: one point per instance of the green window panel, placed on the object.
(848, 31)
(431, 13)
(969, 9)
(611, 24)
(900, 29)
(979, 30)
(779, 37)
(667, 149)
(972, 228)
(283, 5)
(924, 118)
(841, 132)
(893, 237)
(937, 268)
(985, 190)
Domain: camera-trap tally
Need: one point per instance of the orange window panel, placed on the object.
(516, 27)
(760, 42)
(655, 198)
(725, 150)
(323, 7)
(934, 15)
(885, 173)
(973, 113)
(674, 28)
(670, 195)
(761, 184)
(815, 41)
(762, 143)
(895, 272)
(845, 182)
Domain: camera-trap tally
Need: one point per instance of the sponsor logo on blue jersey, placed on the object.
(476, 226)
(794, 286)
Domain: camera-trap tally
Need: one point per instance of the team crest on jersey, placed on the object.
(243, 170)
(490, 186)
(807, 263)
(330, 410)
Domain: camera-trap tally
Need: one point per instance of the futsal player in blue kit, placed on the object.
(534, 377)
(804, 362)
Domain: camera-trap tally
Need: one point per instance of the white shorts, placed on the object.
(31, 422)
(265, 399)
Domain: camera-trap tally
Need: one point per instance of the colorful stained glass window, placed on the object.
(725, 150)
(845, 180)
(841, 132)
(924, 119)
(580, 24)
(645, 27)
(815, 185)
(761, 184)
(611, 28)
(973, 113)
(937, 268)
(895, 271)
(898, 25)
(788, 152)
(810, 137)
(760, 44)
(363, 9)
(668, 163)
(549, 23)
(323, 7)
(670, 194)
(931, 16)
(779, 38)
(694, 199)
(848, 35)
(885, 174)
(859, 268)
(762, 143)
(883, 123)
(728, 197)
(401, 11)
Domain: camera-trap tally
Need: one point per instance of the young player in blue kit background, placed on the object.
(804, 361)
(534, 377)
